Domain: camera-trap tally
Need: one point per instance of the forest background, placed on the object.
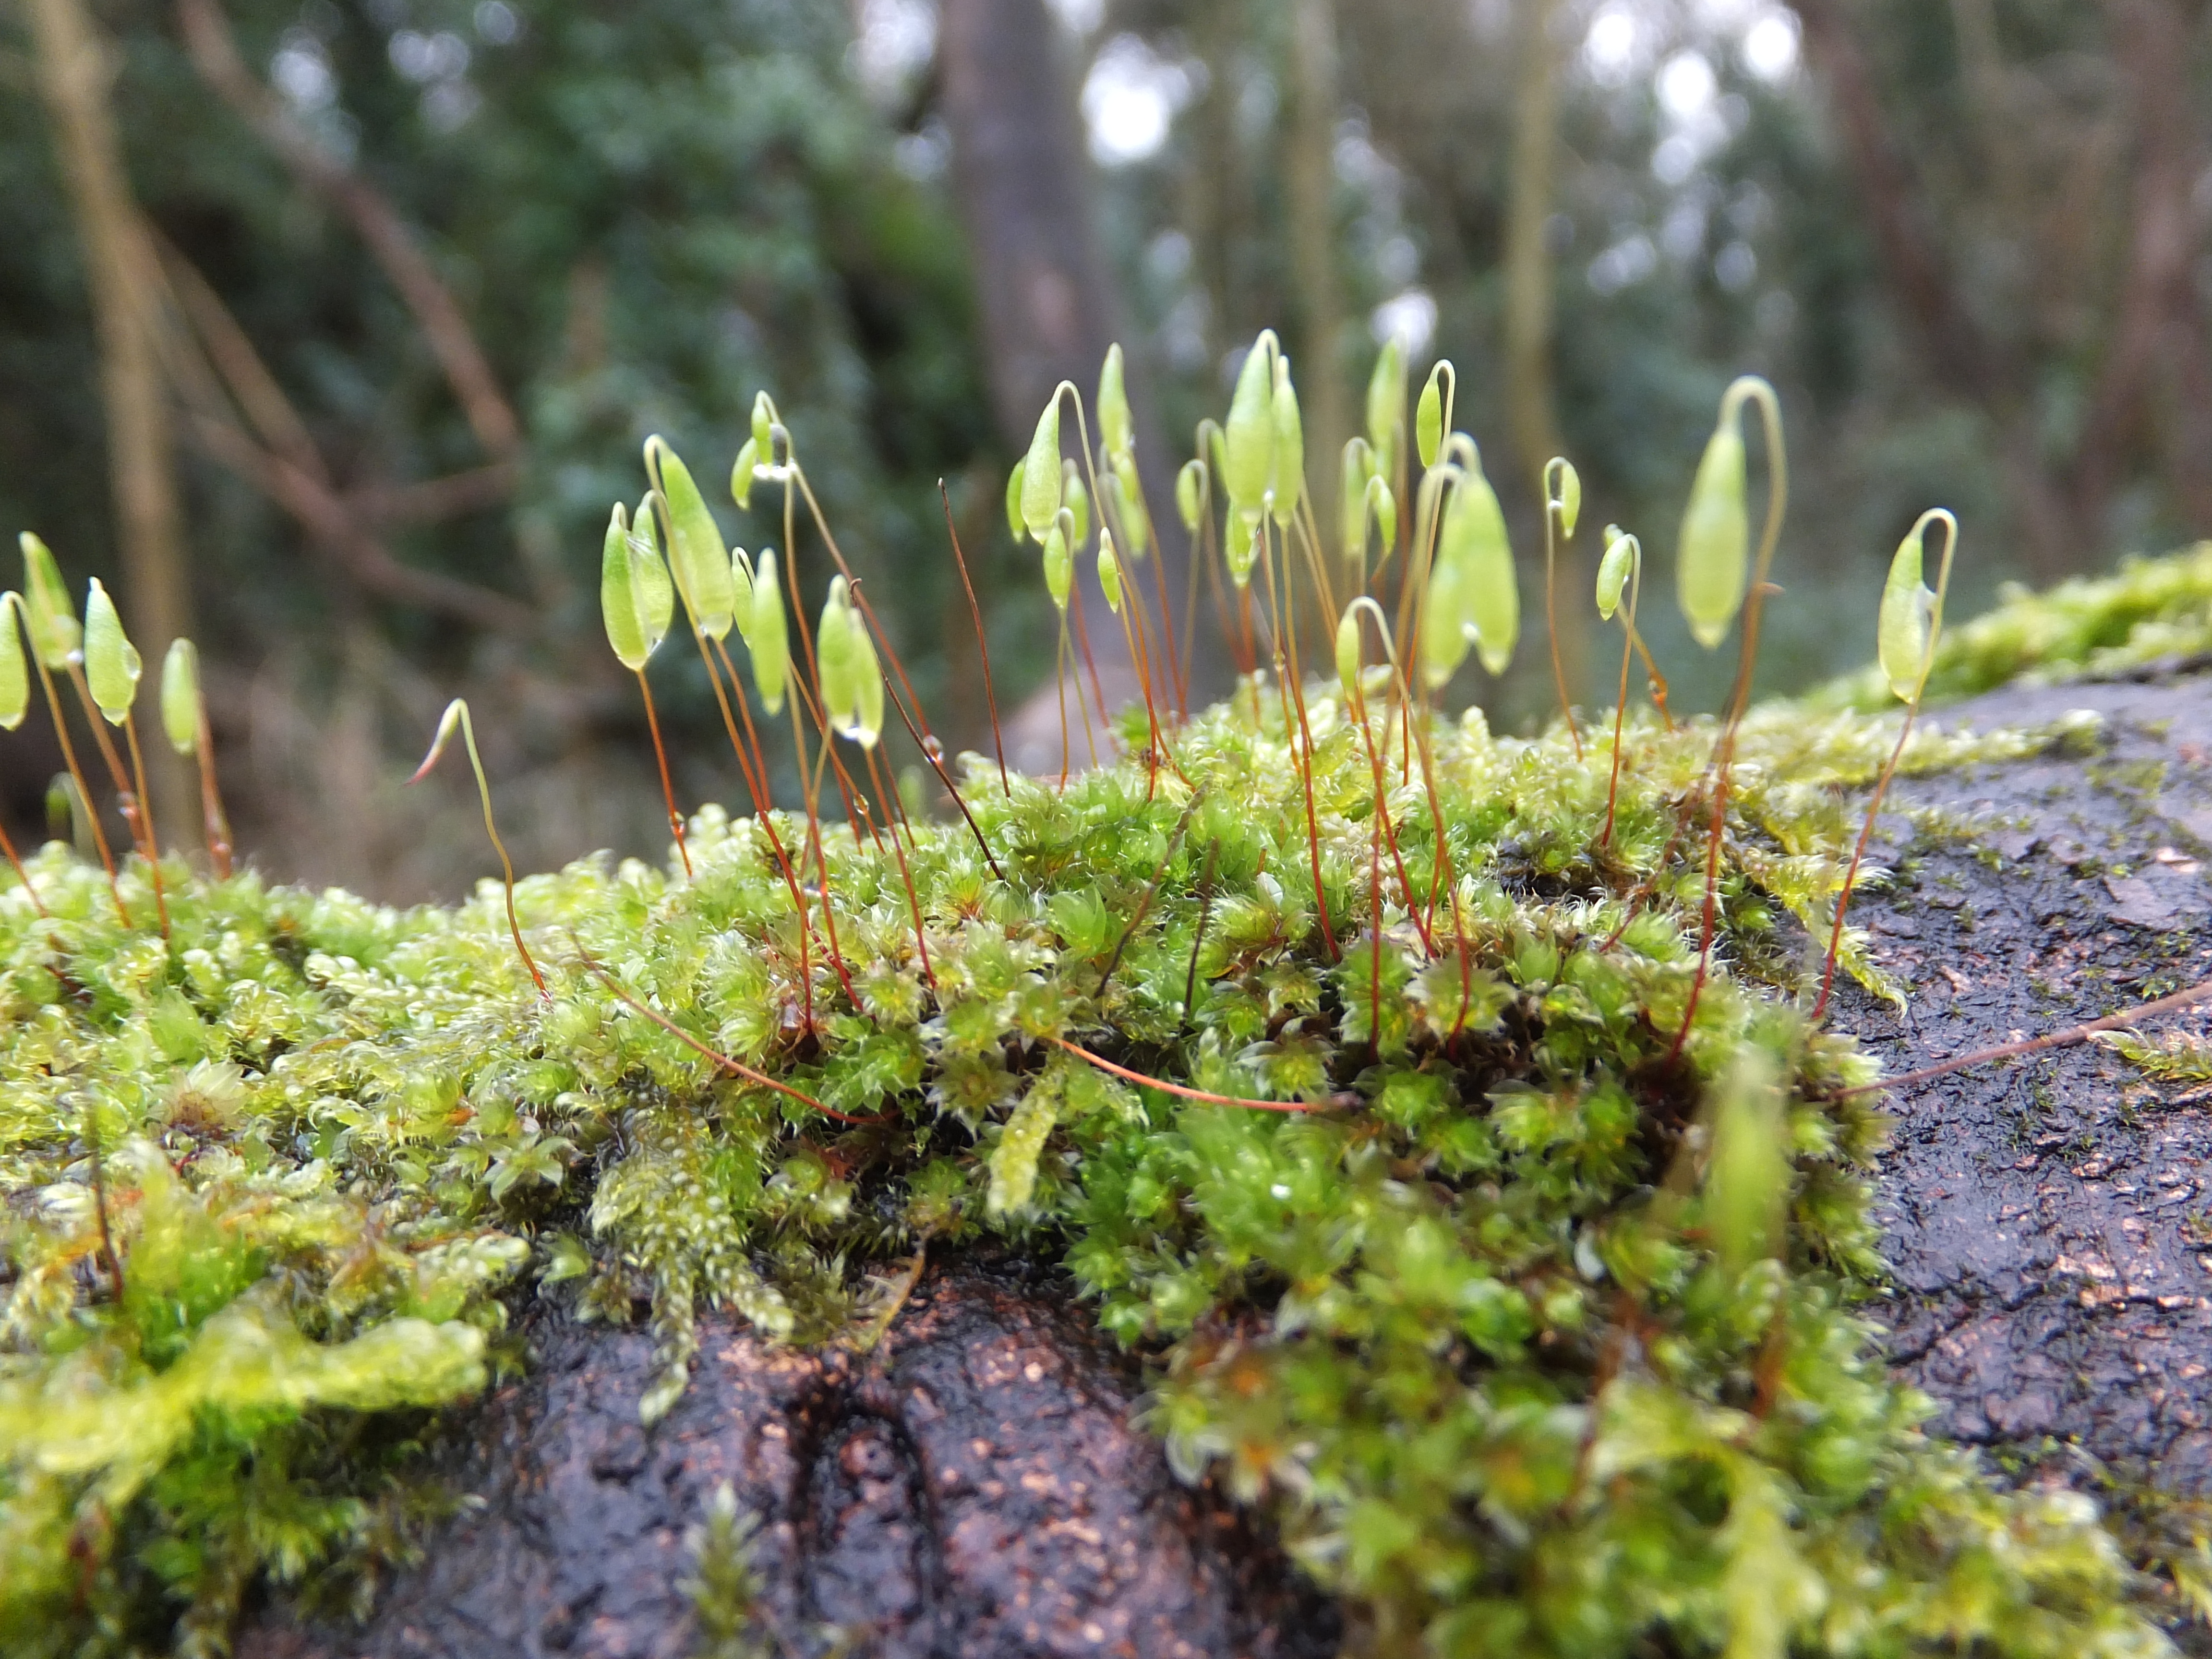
(329, 332)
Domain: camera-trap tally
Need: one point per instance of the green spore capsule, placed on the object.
(1136, 527)
(1474, 528)
(1612, 571)
(1384, 505)
(112, 665)
(1190, 492)
(763, 435)
(1351, 500)
(697, 556)
(1715, 548)
(769, 637)
(1059, 568)
(180, 695)
(628, 633)
(1906, 628)
(55, 635)
(1444, 635)
(1248, 437)
(1109, 572)
(1244, 548)
(1565, 486)
(741, 473)
(1041, 473)
(15, 671)
(836, 663)
(1014, 500)
(1075, 501)
(1385, 407)
(1429, 416)
(1114, 429)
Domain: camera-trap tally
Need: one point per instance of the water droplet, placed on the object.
(933, 750)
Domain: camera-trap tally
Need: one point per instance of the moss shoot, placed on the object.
(1528, 1337)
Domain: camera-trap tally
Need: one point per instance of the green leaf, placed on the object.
(1748, 1176)
(111, 666)
(1714, 554)
(1014, 1159)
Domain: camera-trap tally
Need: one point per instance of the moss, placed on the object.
(1472, 1330)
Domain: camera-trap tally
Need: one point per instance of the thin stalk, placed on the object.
(76, 776)
(154, 863)
(1620, 701)
(1286, 665)
(822, 869)
(1368, 606)
(126, 800)
(1552, 527)
(1413, 591)
(99, 1203)
(982, 645)
(906, 876)
(457, 713)
(1777, 498)
(1097, 691)
(1200, 1094)
(1059, 681)
(667, 788)
(215, 823)
(1178, 671)
(1130, 637)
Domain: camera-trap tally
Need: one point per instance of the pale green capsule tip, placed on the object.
(1428, 417)
(769, 638)
(1289, 453)
(1567, 497)
(618, 595)
(1109, 572)
(695, 553)
(55, 633)
(764, 428)
(1136, 528)
(1114, 425)
(1613, 572)
(14, 671)
(1248, 439)
(112, 665)
(1348, 656)
(1190, 492)
(1059, 568)
(1905, 633)
(1384, 505)
(1041, 473)
(1711, 565)
(1386, 400)
(1075, 501)
(180, 696)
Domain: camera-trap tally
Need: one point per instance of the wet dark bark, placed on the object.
(974, 1488)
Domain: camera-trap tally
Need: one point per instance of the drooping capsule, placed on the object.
(763, 434)
(636, 600)
(1474, 532)
(836, 663)
(1041, 473)
(1906, 630)
(1136, 526)
(14, 671)
(1190, 492)
(1249, 437)
(1385, 407)
(1114, 429)
(180, 696)
(1613, 570)
(47, 611)
(1351, 500)
(112, 665)
(1444, 637)
(1714, 554)
(1077, 501)
(1059, 568)
(1109, 572)
(1348, 656)
(1429, 416)
(1566, 487)
(1384, 505)
(741, 473)
(697, 556)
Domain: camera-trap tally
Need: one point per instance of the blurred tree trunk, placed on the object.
(1048, 305)
(1324, 379)
(1531, 416)
(74, 71)
(2152, 375)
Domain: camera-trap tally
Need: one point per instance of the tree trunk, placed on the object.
(74, 68)
(1324, 376)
